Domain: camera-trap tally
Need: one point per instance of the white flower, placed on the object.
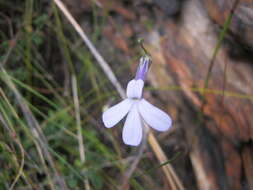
(138, 111)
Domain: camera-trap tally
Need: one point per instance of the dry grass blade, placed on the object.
(92, 48)
(79, 129)
(12, 133)
(17, 140)
(20, 171)
(168, 170)
(41, 141)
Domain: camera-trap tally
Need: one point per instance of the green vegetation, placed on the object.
(39, 134)
(52, 96)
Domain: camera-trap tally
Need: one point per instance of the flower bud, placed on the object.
(143, 67)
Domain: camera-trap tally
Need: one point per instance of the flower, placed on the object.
(137, 109)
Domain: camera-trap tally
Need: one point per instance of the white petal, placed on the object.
(114, 114)
(134, 88)
(153, 116)
(132, 130)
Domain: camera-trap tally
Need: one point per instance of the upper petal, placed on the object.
(134, 88)
(132, 130)
(114, 114)
(153, 116)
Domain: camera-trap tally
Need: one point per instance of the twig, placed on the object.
(168, 170)
(224, 83)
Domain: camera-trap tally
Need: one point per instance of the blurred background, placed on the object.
(53, 90)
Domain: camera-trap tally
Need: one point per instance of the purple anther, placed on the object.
(143, 67)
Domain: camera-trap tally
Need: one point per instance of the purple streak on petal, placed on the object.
(143, 67)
